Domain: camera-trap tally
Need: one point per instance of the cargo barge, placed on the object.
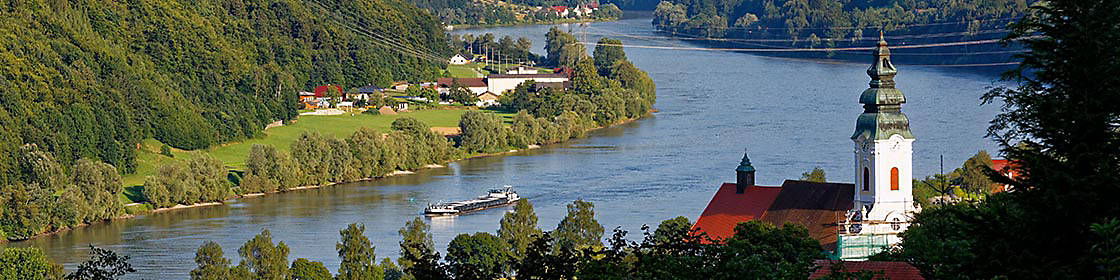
(493, 198)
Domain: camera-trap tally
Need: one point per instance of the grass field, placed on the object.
(233, 154)
(464, 71)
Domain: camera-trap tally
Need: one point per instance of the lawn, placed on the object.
(233, 154)
(464, 71)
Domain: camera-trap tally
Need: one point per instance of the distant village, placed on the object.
(331, 99)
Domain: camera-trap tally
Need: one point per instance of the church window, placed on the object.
(866, 179)
(894, 179)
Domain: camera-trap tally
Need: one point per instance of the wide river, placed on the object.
(790, 115)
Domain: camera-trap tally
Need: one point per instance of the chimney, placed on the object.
(744, 175)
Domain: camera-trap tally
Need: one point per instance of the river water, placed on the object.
(790, 115)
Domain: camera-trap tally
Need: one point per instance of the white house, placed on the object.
(458, 60)
(487, 99)
(499, 84)
(521, 70)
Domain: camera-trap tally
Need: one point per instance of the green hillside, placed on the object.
(90, 79)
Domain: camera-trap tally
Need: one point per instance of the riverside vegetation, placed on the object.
(573, 250)
(50, 197)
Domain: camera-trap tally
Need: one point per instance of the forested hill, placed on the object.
(91, 78)
(843, 23)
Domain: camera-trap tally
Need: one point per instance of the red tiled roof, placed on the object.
(816, 206)
(1007, 168)
(321, 91)
(466, 82)
(890, 270)
(728, 209)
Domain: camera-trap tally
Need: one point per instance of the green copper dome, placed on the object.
(882, 103)
(745, 165)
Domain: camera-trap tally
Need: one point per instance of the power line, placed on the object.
(844, 27)
(382, 41)
(931, 45)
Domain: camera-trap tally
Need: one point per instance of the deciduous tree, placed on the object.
(264, 260)
(579, 229)
(356, 252)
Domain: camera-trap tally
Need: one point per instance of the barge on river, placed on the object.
(493, 198)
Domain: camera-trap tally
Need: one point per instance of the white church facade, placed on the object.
(852, 221)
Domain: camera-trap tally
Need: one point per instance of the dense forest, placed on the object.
(84, 82)
(848, 23)
(90, 79)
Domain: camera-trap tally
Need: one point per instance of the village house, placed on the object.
(499, 84)
(324, 92)
(561, 11)
(487, 99)
(522, 70)
(458, 59)
(366, 92)
(305, 97)
(851, 221)
(1007, 168)
(477, 86)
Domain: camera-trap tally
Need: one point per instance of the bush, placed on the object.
(165, 150)
(157, 195)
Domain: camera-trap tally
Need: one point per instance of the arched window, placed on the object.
(866, 179)
(894, 178)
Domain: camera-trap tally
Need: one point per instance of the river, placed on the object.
(790, 115)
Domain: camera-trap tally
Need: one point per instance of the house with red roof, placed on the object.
(819, 207)
(852, 221)
(324, 90)
(882, 270)
(1007, 168)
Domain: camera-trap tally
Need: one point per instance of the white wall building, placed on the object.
(883, 202)
(521, 70)
(458, 60)
(499, 84)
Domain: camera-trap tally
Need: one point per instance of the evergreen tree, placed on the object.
(1058, 126)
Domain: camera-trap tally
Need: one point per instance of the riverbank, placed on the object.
(142, 209)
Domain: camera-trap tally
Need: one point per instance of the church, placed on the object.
(851, 221)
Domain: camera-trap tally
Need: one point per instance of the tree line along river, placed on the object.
(791, 115)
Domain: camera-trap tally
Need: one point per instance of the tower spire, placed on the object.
(882, 71)
(882, 102)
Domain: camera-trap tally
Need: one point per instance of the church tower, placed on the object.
(883, 197)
